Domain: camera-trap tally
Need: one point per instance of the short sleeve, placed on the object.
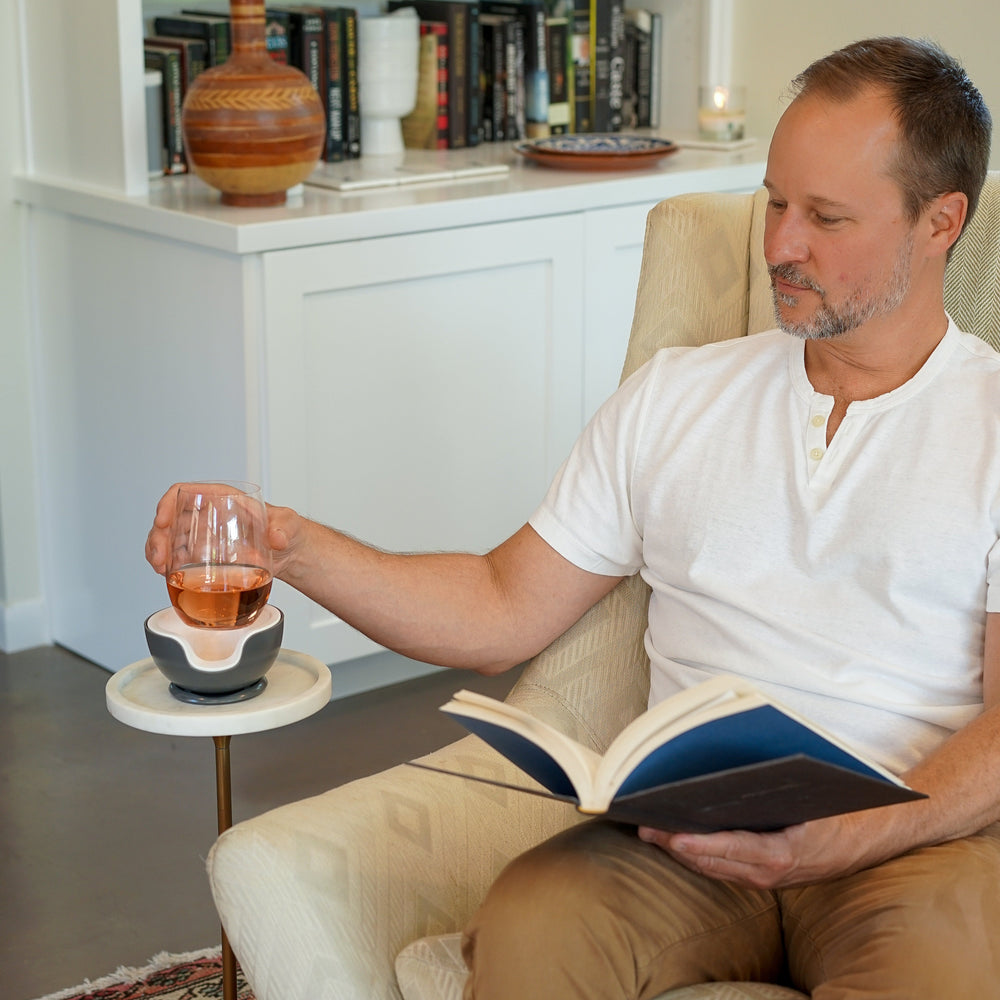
(587, 514)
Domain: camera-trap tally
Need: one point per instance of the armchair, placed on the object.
(333, 897)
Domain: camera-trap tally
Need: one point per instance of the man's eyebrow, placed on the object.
(816, 200)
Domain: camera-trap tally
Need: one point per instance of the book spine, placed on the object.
(558, 46)
(536, 73)
(643, 76)
(655, 69)
(499, 87)
(512, 122)
(305, 45)
(334, 148)
(600, 65)
(197, 57)
(349, 68)
(440, 32)
(276, 35)
(458, 74)
(616, 66)
(488, 76)
(156, 152)
(581, 119)
(168, 62)
(472, 56)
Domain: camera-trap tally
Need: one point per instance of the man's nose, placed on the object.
(785, 238)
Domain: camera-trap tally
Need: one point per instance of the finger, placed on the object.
(762, 861)
(166, 508)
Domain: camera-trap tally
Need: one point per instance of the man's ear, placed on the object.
(946, 217)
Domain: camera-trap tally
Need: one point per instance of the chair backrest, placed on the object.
(972, 281)
(703, 278)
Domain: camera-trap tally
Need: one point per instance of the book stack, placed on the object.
(611, 55)
(318, 39)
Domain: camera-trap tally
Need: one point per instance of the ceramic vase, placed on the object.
(253, 127)
(388, 58)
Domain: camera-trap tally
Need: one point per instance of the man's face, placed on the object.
(838, 244)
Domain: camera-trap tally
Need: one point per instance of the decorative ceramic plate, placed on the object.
(597, 151)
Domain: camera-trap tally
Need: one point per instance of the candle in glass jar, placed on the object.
(721, 113)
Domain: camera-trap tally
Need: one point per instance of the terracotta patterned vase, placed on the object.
(253, 127)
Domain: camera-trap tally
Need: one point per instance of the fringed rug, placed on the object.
(195, 975)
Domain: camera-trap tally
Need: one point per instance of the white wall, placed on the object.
(21, 619)
(776, 39)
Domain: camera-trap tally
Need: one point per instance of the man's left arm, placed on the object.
(961, 778)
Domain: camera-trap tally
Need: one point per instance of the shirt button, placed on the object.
(816, 454)
(819, 420)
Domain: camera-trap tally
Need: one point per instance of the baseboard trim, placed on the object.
(375, 671)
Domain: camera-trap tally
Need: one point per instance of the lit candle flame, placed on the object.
(720, 98)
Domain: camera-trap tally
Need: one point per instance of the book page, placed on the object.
(561, 764)
(715, 698)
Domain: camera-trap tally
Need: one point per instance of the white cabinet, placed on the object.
(421, 390)
(409, 365)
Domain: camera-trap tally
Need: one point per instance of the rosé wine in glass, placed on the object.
(219, 568)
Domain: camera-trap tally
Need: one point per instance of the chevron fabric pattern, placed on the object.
(972, 281)
(319, 897)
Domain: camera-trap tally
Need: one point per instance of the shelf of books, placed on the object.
(105, 82)
(489, 70)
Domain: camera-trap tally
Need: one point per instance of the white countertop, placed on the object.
(184, 208)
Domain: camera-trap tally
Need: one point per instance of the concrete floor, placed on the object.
(104, 829)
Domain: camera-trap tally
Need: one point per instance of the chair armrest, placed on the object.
(319, 896)
(593, 680)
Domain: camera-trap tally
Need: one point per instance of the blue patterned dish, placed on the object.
(601, 143)
(597, 151)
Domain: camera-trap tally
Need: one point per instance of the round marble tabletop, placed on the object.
(297, 686)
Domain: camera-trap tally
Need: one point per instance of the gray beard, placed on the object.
(829, 322)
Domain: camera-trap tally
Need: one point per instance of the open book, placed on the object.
(717, 756)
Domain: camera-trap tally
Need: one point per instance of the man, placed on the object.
(751, 483)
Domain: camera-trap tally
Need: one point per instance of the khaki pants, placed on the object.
(596, 913)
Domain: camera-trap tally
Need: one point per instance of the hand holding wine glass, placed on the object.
(219, 563)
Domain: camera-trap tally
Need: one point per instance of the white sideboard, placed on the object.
(410, 365)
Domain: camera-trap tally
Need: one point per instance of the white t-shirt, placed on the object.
(850, 583)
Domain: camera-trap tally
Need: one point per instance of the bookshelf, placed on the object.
(83, 80)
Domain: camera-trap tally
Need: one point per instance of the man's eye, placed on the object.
(827, 220)
(776, 206)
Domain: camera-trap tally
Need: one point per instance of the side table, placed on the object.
(297, 686)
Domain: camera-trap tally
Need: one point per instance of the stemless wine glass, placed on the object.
(219, 566)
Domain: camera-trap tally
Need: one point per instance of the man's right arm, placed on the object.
(484, 612)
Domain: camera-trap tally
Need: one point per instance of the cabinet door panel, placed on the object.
(421, 390)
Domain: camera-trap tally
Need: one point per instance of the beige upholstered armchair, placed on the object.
(359, 893)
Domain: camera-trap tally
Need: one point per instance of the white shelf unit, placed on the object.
(410, 364)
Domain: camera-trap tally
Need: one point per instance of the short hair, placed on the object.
(944, 124)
